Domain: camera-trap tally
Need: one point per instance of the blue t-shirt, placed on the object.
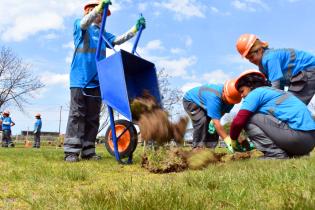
(37, 125)
(291, 110)
(275, 63)
(83, 66)
(209, 98)
(6, 123)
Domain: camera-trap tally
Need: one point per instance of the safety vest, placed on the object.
(288, 74)
(83, 67)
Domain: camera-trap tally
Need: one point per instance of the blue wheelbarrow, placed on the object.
(123, 76)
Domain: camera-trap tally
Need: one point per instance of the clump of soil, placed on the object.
(154, 122)
(175, 160)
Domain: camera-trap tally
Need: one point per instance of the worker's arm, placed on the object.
(131, 32)
(12, 123)
(88, 19)
(239, 123)
(219, 128)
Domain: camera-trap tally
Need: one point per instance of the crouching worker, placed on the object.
(83, 120)
(277, 122)
(6, 129)
(209, 103)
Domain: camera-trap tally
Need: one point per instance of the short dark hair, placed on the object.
(252, 81)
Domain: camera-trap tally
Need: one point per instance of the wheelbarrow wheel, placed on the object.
(127, 143)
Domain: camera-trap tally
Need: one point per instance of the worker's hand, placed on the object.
(211, 128)
(101, 5)
(140, 22)
(230, 143)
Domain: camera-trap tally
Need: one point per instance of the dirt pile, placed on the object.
(154, 122)
(175, 160)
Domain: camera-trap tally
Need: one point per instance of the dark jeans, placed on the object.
(200, 123)
(6, 138)
(83, 122)
(36, 140)
(276, 139)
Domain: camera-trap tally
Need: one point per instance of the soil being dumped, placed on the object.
(154, 122)
(166, 160)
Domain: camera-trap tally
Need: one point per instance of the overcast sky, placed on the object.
(194, 40)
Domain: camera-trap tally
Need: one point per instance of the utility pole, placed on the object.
(60, 118)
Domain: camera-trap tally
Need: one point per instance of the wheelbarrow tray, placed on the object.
(123, 77)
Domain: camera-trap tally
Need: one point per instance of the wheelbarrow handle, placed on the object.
(100, 38)
(137, 39)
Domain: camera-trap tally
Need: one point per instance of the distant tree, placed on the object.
(170, 96)
(17, 83)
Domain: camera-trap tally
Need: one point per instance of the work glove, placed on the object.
(100, 7)
(211, 128)
(140, 22)
(231, 144)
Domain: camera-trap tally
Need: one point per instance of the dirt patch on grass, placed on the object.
(166, 160)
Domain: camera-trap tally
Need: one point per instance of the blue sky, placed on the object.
(194, 40)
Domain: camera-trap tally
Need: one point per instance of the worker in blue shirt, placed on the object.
(278, 123)
(205, 106)
(37, 130)
(285, 68)
(83, 120)
(6, 129)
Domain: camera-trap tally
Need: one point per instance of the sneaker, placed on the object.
(91, 157)
(72, 158)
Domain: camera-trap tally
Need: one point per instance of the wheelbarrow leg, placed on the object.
(112, 125)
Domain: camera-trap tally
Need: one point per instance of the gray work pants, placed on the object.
(6, 138)
(83, 122)
(302, 85)
(200, 123)
(36, 140)
(276, 139)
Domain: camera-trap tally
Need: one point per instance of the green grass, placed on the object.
(40, 179)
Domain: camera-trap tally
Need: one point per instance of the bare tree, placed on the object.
(16, 79)
(170, 96)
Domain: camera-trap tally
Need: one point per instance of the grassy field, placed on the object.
(40, 179)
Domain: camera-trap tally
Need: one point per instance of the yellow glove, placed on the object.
(230, 143)
(100, 7)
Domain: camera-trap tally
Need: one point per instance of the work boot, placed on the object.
(72, 157)
(91, 157)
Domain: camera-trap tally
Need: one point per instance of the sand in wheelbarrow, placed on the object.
(166, 160)
(154, 123)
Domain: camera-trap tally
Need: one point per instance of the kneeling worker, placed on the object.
(277, 122)
(209, 103)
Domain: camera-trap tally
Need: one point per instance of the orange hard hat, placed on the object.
(6, 112)
(37, 115)
(94, 3)
(245, 42)
(231, 95)
(249, 72)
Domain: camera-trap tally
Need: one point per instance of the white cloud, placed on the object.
(142, 7)
(176, 50)
(54, 79)
(50, 36)
(215, 77)
(184, 9)
(249, 5)
(176, 67)
(189, 86)
(188, 41)
(19, 20)
(154, 45)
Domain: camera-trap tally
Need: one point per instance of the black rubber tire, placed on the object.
(133, 139)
